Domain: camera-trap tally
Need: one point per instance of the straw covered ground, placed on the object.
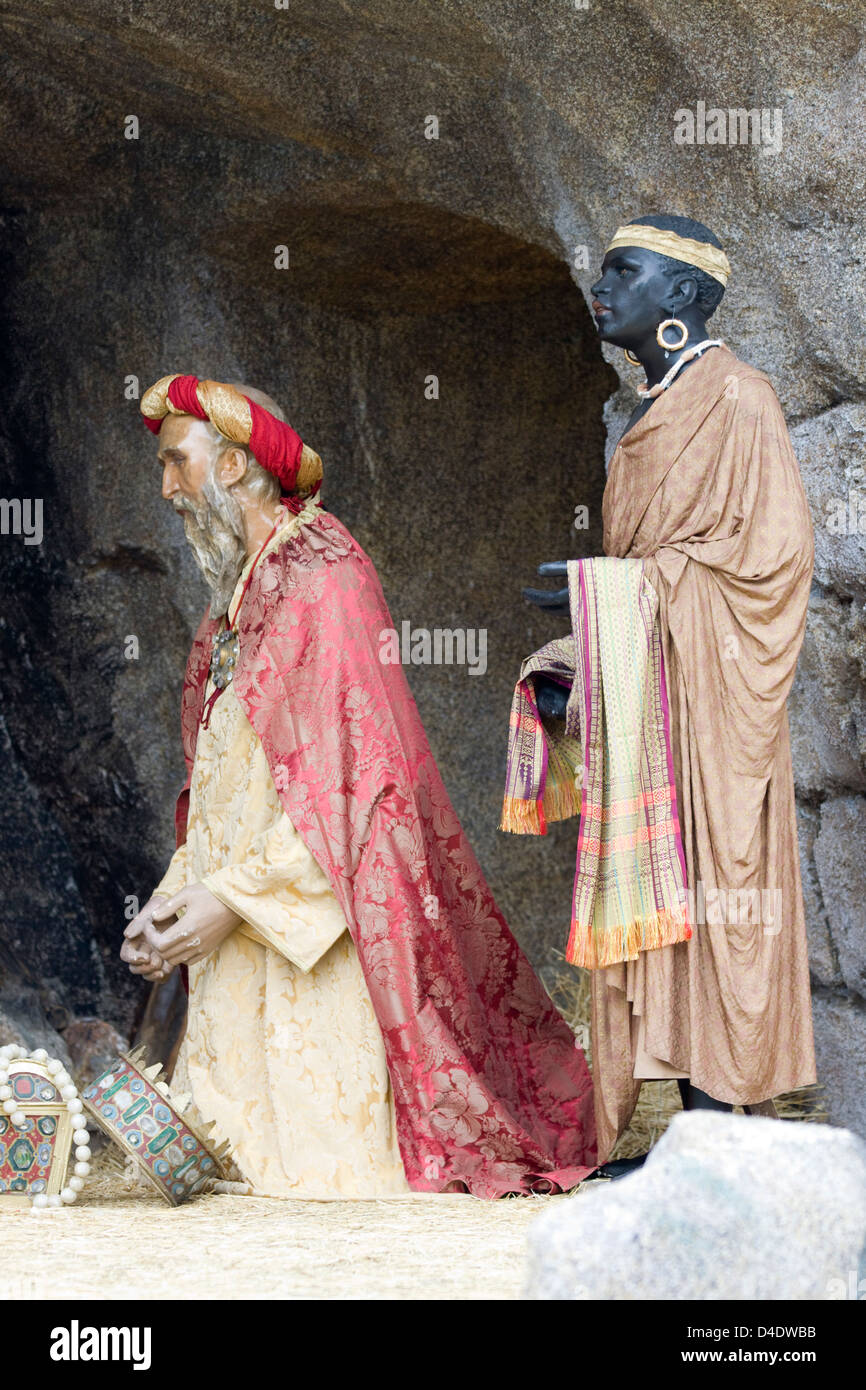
(121, 1241)
(115, 1244)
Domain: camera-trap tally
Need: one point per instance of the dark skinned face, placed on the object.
(634, 294)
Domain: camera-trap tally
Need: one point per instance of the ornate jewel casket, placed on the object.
(34, 1156)
(172, 1148)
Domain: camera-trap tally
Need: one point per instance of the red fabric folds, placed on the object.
(276, 446)
(182, 394)
(491, 1090)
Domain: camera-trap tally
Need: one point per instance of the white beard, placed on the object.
(215, 531)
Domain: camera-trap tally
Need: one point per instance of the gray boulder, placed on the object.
(726, 1207)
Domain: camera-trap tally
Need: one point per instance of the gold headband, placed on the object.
(680, 248)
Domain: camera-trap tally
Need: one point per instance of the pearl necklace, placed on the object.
(649, 393)
(68, 1090)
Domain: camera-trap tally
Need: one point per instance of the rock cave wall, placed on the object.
(461, 256)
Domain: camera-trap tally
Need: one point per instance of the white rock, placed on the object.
(725, 1207)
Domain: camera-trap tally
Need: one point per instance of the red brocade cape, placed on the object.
(490, 1087)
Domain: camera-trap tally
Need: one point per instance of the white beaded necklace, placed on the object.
(651, 392)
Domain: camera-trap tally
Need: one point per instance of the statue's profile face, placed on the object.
(629, 298)
(212, 518)
(186, 452)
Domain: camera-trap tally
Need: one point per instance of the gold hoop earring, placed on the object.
(630, 357)
(672, 323)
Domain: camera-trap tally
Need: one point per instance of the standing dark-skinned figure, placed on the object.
(704, 492)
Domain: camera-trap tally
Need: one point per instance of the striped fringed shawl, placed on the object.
(611, 763)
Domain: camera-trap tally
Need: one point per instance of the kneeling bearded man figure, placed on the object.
(361, 1021)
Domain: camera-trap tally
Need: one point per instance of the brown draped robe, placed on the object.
(705, 487)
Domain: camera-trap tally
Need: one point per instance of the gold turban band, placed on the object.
(273, 444)
(680, 248)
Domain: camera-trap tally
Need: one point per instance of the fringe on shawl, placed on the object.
(614, 664)
(594, 949)
(559, 801)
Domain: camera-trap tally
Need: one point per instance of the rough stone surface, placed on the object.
(831, 451)
(823, 956)
(460, 257)
(26, 1027)
(93, 1045)
(841, 865)
(827, 705)
(725, 1207)
(840, 1050)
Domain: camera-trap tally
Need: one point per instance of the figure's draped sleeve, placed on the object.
(282, 896)
(733, 597)
(243, 846)
(175, 876)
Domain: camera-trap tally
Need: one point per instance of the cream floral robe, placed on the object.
(282, 1047)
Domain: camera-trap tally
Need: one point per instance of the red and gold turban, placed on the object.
(273, 444)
